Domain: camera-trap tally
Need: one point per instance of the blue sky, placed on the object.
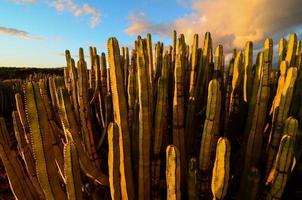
(51, 31)
(35, 33)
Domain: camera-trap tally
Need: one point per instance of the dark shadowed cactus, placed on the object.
(254, 144)
(282, 49)
(161, 125)
(114, 161)
(221, 169)
(251, 189)
(209, 135)
(192, 179)
(20, 183)
(281, 115)
(120, 117)
(145, 126)
(178, 105)
(26, 153)
(173, 173)
(85, 111)
(283, 165)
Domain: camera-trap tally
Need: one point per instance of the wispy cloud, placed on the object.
(231, 22)
(24, 1)
(139, 24)
(77, 10)
(18, 33)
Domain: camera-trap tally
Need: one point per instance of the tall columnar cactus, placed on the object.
(248, 66)
(42, 144)
(255, 134)
(194, 60)
(210, 135)
(85, 115)
(221, 169)
(72, 133)
(21, 185)
(282, 49)
(72, 172)
(283, 165)
(25, 150)
(145, 127)
(161, 126)
(120, 117)
(281, 115)
(114, 161)
(173, 173)
(291, 50)
(178, 105)
(192, 179)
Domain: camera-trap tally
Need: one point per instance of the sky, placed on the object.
(35, 33)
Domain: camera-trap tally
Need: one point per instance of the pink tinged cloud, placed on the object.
(231, 22)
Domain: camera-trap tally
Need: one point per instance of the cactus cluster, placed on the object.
(158, 122)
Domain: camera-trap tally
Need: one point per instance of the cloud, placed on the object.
(231, 22)
(18, 33)
(24, 1)
(72, 7)
(140, 25)
(78, 10)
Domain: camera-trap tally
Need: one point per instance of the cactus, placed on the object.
(221, 169)
(120, 117)
(72, 172)
(173, 173)
(282, 167)
(210, 135)
(114, 161)
(177, 95)
(145, 128)
(41, 143)
(21, 185)
(281, 115)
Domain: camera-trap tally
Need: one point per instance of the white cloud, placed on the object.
(78, 10)
(71, 6)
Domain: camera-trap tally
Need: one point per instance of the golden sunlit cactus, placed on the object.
(42, 144)
(72, 172)
(120, 117)
(173, 173)
(209, 136)
(221, 169)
